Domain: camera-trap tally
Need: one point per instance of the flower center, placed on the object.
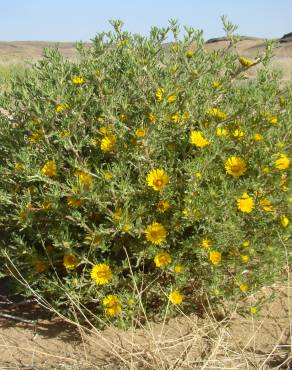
(157, 182)
(235, 168)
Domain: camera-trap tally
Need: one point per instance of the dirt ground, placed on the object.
(262, 341)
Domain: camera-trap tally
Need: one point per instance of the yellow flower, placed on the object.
(171, 99)
(189, 54)
(126, 228)
(273, 120)
(222, 132)
(104, 130)
(245, 258)
(117, 215)
(78, 80)
(163, 206)
(206, 243)
(235, 166)
(108, 176)
(123, 117)
(101, 273)
(253, 310)
(64, 134)
(245, 62)
(84, 178)
(40, 266)
(284, 221)
(246, 243)
(217, 114)
(175, 117)
(49, 169)
(159, 94)
(46, 204)
(162, 259)
(266, 205)
(283, 162)
(36, 136)
(70, 261)
(280, 145)
(151, 117)
(198, 140)
(216, 84)
(175, 297)
(112, 305)
(243, 287)
(61, 107)
(157, 179)
(19, 166)
(140, 132)
(238, 134)
(258, 137)
(73, 202)
(107, 143)
(178, 269)
(215, 257)
(245, 204)
(155, 233)
(198, 175)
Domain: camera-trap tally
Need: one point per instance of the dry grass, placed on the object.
(233, 341)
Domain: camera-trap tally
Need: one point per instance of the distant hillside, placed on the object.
(250, 47)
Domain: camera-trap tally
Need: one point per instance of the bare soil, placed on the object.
(255, 342)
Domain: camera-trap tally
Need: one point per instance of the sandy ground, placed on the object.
(256, 342)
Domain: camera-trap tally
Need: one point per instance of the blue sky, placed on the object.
(73, 20)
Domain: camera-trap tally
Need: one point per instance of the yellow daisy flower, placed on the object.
(61, 107)
(283, 162)
(238, 134)
(217, 114)
(101, 274)
(157, 179)
(244, 287)
(198, 140)
(140, 132)
(49, 169)
(235, 166)
(206, 243)
(159, 94)
(163, 206)
(284, 221)
(171, 99)
(215, 257)
(178, 269)
(70, 261)
(73, 202)
(78, 80)
(222, 132)
(266, 205)
(245, 258)
(155, 233)
(162, 259)
(112, 305)
(107, 143)
(245, 203)
(175, 297)
(258, 137)
(151, 117)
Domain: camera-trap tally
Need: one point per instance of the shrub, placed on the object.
(145, 171)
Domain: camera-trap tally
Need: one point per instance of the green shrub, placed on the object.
(145, 171)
